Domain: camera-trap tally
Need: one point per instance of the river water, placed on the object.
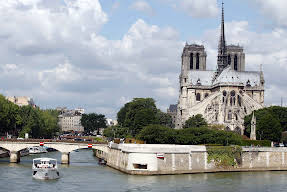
(84, 174)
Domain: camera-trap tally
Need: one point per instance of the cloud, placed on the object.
(142, 6)
(274, 9)
(54, 53)
(195, 8)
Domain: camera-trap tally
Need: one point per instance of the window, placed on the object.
(229, 116)
(191, 61)
(229, 60)
(232, 93)
(198, 97)
(235, 63)
(224, 93)
(206, 95)
(236, 117)
(239, 100)
(197, 60)
(140, 166)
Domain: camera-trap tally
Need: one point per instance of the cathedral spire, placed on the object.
(222, 57)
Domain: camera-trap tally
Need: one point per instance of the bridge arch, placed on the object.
(64, 148)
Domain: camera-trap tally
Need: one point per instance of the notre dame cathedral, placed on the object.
(223, 96)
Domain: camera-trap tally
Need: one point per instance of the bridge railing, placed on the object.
(51, 140)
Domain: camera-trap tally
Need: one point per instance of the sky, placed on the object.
(100, 54)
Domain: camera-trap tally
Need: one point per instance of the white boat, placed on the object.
(37, 149)
(24, 152)
(45, 168)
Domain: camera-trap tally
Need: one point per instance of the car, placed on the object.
(78, 139)
(279, 145)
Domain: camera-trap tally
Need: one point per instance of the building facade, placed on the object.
(21, 101)
(223, 96)
(70, 120)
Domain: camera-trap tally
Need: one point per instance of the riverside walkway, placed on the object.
(64, 146)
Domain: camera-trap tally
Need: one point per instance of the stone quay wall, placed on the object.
(156, 159)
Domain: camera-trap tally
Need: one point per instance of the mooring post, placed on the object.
(65, 158)
(14, 156)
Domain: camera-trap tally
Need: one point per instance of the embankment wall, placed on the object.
(151, 159)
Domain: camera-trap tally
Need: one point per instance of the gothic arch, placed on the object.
(235, 63)
(229, 115)
(191, 61)
(198, 97)
(197, 60)
(227, 129)
(229, 59)
(237, 130)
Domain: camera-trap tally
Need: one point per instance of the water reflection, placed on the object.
(84, 174)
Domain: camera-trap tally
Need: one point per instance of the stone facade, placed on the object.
(223, 96)
(21, 101)
(70, 120)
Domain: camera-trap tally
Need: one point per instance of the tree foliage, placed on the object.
(270, 122)
(116, 132)
(93, 121)
(195, 121)
(17, 120)
(157, 134)
(139, 113)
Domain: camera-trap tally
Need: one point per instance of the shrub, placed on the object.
(224, 156)
(262, 143)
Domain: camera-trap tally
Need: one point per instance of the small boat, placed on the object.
(24, 152)
(37, 149)
(102, 161)
(45, 168)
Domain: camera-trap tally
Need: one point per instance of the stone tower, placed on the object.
(253, 128)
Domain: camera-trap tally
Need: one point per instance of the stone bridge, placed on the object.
(64, 147)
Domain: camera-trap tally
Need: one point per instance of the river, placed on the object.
(84, 174)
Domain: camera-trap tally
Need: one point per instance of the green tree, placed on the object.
(157, 134)
(93, 121)
(195, 121)
(269, 123)
(164, 119)
(116, 132)
(137, 114)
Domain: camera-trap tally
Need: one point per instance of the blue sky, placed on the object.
(122, 16)
(100, 54)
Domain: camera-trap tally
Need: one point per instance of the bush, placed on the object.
(224, 156)
(157, 134)
(262, 143)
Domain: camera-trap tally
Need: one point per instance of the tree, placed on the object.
(157, 134)
(137, 114)
(195, 121)
(268, 124)
(164, 119)
(93, 121)
(116, 132)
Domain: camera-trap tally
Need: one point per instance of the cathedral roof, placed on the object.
(204, 77)
(238, 77)
(226, 77)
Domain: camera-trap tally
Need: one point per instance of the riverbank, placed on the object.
(150, 159)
